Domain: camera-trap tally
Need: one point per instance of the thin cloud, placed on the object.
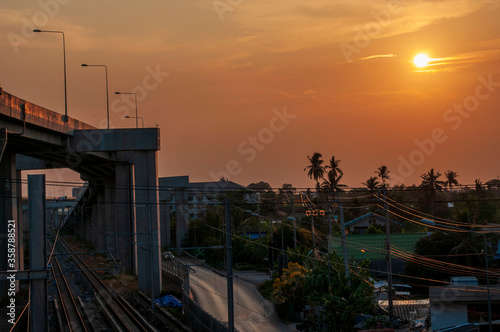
(453, 63)
(375, 56)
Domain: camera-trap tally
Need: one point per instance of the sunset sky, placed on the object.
(250, 88)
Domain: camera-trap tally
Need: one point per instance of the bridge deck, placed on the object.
(10, 106)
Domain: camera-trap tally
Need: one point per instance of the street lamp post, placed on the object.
(432, 223)
(107, 93)
(134, 117)
(65, 116)
(135, 96)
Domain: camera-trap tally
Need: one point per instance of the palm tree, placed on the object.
(316, 170)
(451, 179)
(334, 169)
(334, 175)
(372, 184)
(383, 173)
(333, 185)
(431, 182)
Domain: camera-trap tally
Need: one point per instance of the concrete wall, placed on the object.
(450, 315)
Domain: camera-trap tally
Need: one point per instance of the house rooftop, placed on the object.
(367, 215)
(372, 246)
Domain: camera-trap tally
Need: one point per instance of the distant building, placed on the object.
(360, 225)
(189, 201)
(463, 302)
(56, 210)
(198, 196)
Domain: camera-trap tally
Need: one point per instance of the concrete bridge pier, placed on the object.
(9, 211)
(147, 221)
(123, 214)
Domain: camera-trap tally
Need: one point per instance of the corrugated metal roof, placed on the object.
(372, 246)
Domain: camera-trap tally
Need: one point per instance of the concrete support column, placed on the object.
(100, 222)
(166, 232)
(8, 211)
(123, 213)
(109, 221)
(38, 251)
(147, 221)
(182, 217)
(93, 229)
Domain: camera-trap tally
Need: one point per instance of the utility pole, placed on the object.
(330, 231)
(344, 240)
(229, 267)
(294, 226)
(258, 212)
(389, 263)
(313, 230)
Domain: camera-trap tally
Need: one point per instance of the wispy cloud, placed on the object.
(455, 62)
(370, 57)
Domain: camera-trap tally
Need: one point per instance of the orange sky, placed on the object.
(250, 88)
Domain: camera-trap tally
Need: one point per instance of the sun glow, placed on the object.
(421, 60)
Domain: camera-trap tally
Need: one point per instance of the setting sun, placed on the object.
(421, 60)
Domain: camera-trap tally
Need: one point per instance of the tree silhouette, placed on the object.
(372, 184)
(335, 173)
(383, 173)
(431, 183)
(315, 170)
(451, 179)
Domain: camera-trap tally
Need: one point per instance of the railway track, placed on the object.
(106, 310)
(118, 313)
(160, 317)
(71, 317)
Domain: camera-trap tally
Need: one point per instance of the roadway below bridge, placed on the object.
(251, 311)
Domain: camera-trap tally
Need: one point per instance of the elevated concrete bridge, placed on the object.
(120, 166)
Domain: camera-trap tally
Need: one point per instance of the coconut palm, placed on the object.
(451, 179)
(315, 170)
(333, 185)
(431, 182)
(335, 173)
(372, 184)
(383, 173)
(334, 170)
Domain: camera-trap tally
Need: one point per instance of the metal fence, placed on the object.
(199, 319)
